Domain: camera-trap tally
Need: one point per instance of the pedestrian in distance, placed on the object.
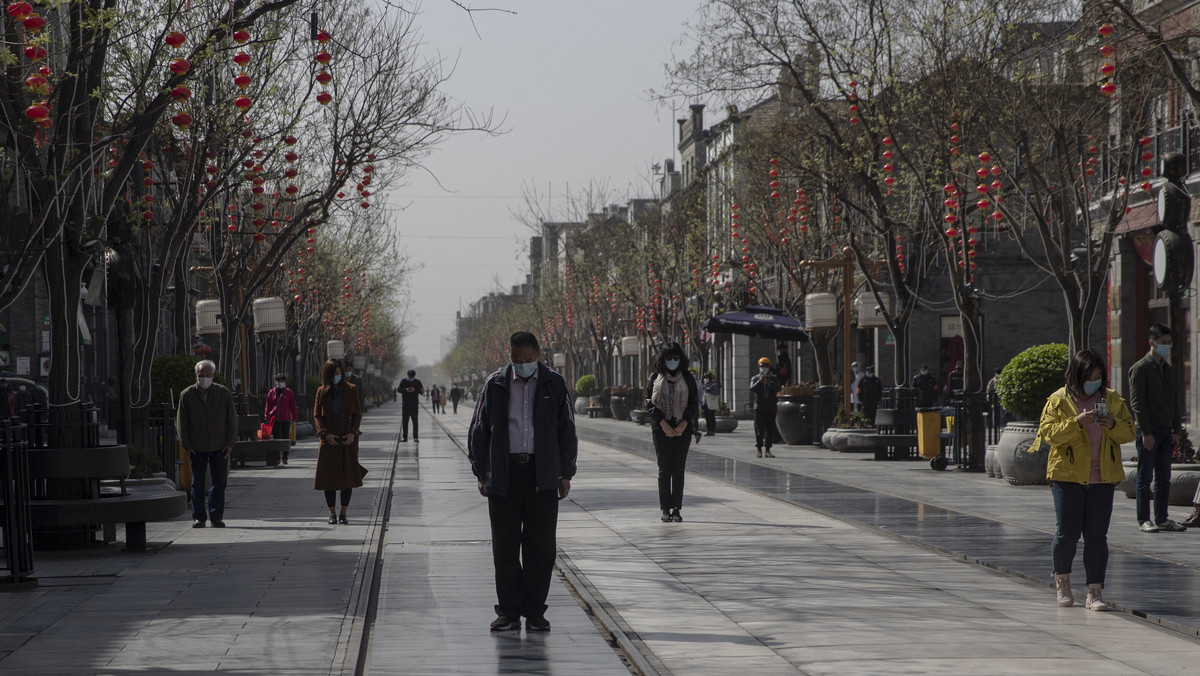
(410, 390)
(456, 395)
(1153, 396)
(280, 410)
(710, 402)
(954, 382)
(337, 413)
(674, 405)
(927, 388)
(1084, 423)
(857, 372)
(522, 447)
(870, 393)
(207, 424)
(435, 397)
(764, 389)
(783, 364)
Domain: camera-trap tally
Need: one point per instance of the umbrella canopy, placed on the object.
(758, 320)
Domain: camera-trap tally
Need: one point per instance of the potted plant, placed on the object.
(1023, 387)
(850, 433)
(724, 421)
(794, 416)
(585, 387)
(617, 403)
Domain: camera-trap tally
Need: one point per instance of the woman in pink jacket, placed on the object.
(281, 408)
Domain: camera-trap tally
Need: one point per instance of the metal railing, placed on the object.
(14, 489)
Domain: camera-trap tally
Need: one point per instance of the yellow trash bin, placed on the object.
(929, 430)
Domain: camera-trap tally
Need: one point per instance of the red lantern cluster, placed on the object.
(888, 179)
(1147, 158)
(323, 77)
(852, 101)
(24, 12)
(1107, 68)
(1093, 150)
(38, 85)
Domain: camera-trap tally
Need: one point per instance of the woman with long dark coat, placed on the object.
(337, 413)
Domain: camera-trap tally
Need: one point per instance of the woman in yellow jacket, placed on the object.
(1084, 424)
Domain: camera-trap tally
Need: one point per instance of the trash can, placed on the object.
(929, 431)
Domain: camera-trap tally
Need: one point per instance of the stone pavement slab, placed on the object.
(749, 582)
(278, 591)
(438, 586)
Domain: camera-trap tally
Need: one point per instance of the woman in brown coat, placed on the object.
(337, 412)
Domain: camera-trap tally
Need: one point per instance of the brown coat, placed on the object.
(337, 465)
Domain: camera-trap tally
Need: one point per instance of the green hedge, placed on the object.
(1030, 378)
(585, 386)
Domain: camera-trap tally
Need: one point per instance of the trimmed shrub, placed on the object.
(1030, 378)
(585, 386)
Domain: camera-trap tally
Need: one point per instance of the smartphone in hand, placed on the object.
(1101, 409)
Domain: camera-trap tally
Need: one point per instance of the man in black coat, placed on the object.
(410, 390)
(522, 447)
(870, 393)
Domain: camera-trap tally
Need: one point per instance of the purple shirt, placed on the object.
(520, 413)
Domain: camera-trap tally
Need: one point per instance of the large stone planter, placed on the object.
(619, 406)
(1019, 466)
(850, 441)
(639, 416)
(791, 420)
(581, 404)
(724, 423)
(1184, 479)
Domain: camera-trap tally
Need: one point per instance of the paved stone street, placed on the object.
(813, 562)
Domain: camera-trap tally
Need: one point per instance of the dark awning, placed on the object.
(758, 320)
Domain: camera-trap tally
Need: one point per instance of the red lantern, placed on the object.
(258, 237)
(324, 77)
(1105, 29)
(242, 80)
(35, 52)
(291, 190)
(243, 102)
(175, 39)
(147, 215)
(38, 84)
(887, 140)
(291, 173)
(365, 205)
(181, 93)
(20, 10)
(1106, 50)
(324, 98)
(1108, 88)
(34, 23)
(369, 168)
(323, 57)
(37, 111)
(241, 58)
(1107, 69)
(322, 37)
(240, 36)
(182, 120)
(180, 66)
(291, 157)
(290, 140)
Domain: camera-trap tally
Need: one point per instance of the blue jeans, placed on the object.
(202, 462)
(1082, 510)
(1154, 464)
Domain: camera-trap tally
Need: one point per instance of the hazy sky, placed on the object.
(570, 79)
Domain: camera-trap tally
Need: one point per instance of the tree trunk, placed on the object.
(64, 276)
(820, 339)
(974, 402)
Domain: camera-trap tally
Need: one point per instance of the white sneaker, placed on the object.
(1062, 585)
(1170, 526)
(1148, 527)
(1094, 602)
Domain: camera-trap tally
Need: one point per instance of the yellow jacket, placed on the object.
(1070, 451)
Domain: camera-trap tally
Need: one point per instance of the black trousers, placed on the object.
(672, 457)
(710, 421)
(524, 530)
(407, 414)
(764, 427)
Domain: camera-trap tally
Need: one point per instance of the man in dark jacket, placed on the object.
(410, 390)
(870, 393)
(522, 447)
(1153, 398)
(207, 425)
(764, 388)
(927, 388)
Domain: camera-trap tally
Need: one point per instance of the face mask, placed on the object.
(870, 373)
(281, 384)
(204, 383)
(671, 364)
(763, 370)
(1163, 351)
(1090, 387)
(337, 378)
(525, 370)
(924, 372)
(22, 388)
(706, 381)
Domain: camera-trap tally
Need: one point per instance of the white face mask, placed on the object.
(525, 370)
(204, 383)
(281, 384)
(671, 364)
(763, 370)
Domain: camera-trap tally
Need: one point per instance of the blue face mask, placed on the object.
(1091, 387)
(1163, 351)
(337, 378)
(671, 364)
(525, 370)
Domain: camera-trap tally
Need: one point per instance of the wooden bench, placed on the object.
(595, 411)
(68, 493)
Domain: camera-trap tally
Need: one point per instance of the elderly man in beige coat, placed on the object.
(207, 425)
